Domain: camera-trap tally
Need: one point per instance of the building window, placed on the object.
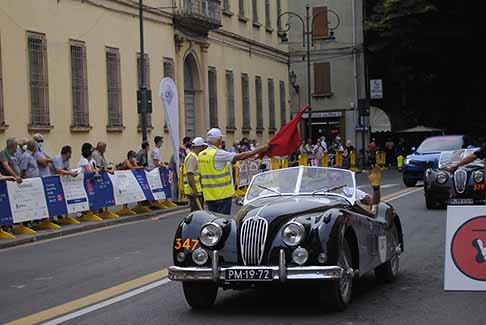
(230, 101)
(322, 79)
(241, 7)
(146, 65)
(279, 12)
(226, 5)
(169, 68)
(271, 105)
(2, 112)
(259, 104)
(321, 24)
(283, 104)
(268, 17)
(213, 97)
(245, 93)
(255, 11)
(39, 86)
(79, 85)
(115, 118)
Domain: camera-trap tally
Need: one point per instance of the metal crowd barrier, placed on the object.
(42, 198)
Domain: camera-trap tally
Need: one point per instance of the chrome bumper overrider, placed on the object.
(281, 272)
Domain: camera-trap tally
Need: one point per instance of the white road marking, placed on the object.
(46, 278)
(382, 186)
(404, 194)
(106, 303)
(19, 286)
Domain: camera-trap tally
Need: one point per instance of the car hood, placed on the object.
(281, 209)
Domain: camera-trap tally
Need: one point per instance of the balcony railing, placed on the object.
(201, 15)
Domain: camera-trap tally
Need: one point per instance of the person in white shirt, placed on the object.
(86, 162)
(154, 161)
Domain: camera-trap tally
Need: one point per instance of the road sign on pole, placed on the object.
(376, 89)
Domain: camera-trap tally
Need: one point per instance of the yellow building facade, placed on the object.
(69, 70)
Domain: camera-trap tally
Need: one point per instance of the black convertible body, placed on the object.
(297, 224)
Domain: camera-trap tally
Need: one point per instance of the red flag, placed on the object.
(287, 140)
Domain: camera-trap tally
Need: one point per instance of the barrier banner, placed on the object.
(5, 214)
(74, 193)
(125, 188)
(100, 190)
(243, 174)
(56, 203)
(166, 182)
(155, 182)
(253, 169)
(465, 255)
(27, 200)
(141, 177)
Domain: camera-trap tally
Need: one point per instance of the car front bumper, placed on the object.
(281, 272)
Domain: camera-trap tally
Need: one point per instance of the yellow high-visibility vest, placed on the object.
(216, 183)
(197, 177)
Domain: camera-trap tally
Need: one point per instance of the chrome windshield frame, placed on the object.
(298, 184)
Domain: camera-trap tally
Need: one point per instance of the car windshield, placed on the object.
(440, 144)
(303, 181)
(450, 157)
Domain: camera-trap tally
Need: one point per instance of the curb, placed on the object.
(85, 226)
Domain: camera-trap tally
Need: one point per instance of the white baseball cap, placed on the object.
(198, 142)
(215, 133)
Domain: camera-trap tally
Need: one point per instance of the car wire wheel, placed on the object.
(345, 261)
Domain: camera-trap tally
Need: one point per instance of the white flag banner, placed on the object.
(170, 101)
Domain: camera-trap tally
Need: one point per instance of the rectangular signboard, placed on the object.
(376, 89)
(465, 249)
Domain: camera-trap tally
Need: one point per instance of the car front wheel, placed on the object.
(200, 295)
(336, 294)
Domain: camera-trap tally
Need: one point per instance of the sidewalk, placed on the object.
(84, 226)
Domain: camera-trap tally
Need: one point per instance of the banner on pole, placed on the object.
(170, 101)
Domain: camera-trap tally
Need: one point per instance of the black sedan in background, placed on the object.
(466, 186)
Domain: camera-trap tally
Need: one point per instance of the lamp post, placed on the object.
(308, 42)
(142, 90)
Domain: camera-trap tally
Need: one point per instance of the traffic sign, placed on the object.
(465, 265)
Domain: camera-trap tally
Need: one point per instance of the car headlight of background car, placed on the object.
(211, 234)
(293, 234)
(478, 176)
(442, 178)
(407, 161)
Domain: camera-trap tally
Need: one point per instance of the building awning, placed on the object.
(379, 120)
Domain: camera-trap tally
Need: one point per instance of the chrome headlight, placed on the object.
(407, 161)
(442, 178)
(211, 234)
(478, 176)
(293, 234)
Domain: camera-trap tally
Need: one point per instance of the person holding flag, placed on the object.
(216, 177)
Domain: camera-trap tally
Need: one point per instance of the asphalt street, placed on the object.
(117, 276)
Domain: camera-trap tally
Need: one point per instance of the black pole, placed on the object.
(143, 84)
(309, 100)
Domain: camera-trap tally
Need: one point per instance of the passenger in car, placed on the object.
(478, 154)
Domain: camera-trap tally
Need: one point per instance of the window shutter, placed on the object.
(213, 98)
(246, 101)
(283, 106)
(79, 85)
(321, 24)
(230, 99)
(2, 115)
(39, 85)
(259, 103)
(322, 78)
(271, 104)
(115, 119)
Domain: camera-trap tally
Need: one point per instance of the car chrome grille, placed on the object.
(252, 240)
(460, 180)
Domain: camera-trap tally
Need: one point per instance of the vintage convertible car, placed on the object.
(296, 224)
(464, 186)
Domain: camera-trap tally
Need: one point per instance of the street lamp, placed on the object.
(308, 41)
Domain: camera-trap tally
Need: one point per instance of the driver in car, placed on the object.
(365, 200)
